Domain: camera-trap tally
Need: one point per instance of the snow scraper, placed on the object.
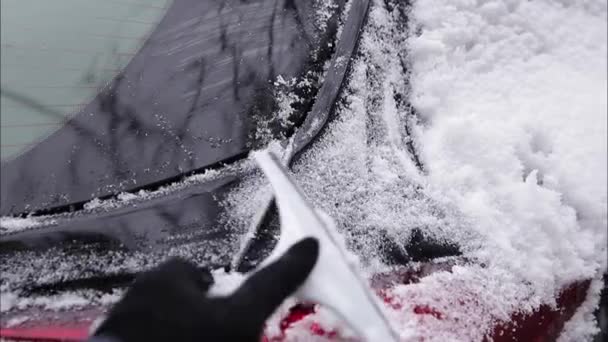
(334, 282)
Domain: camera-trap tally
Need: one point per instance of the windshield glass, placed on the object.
(56, 55)
(209, 82)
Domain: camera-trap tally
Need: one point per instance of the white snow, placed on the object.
(512, 102)
(324, 11)
(15, 224)
(67, 300)
(10, 224)
(511, 131)
(583, 325)
(518, 92)
(225, 283)
(125, 198)
(7, 301)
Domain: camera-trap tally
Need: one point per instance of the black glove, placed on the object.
(170, 302)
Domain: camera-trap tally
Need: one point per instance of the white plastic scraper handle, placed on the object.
(334, 282)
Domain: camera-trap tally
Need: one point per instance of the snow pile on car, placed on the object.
(509, 125)
(512, 101)
(511, 97)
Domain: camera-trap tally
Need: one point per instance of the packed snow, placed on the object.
(511, 97)
(512, 100)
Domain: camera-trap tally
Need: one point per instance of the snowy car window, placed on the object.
(131, 95)
(57, 55)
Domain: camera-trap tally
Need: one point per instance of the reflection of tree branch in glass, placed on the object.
(57, 55)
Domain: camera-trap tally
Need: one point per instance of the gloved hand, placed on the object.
(170, 302)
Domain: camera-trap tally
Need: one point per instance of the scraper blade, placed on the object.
(334, 281)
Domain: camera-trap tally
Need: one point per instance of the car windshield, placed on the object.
(56, 55)
(98, 99)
